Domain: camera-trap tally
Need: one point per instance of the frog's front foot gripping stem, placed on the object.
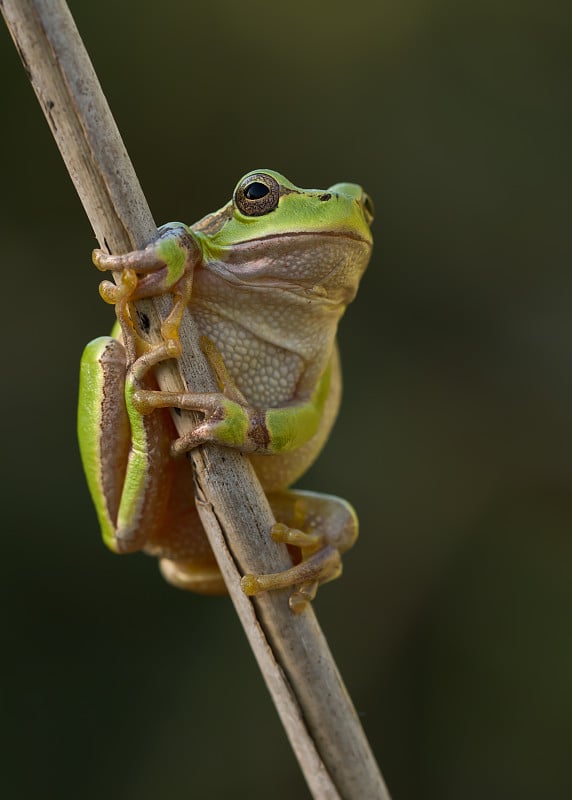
(166, 265)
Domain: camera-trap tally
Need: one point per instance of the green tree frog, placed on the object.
(267, 278)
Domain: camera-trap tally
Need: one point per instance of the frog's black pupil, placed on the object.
(256, 190)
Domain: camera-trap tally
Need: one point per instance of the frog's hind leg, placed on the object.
(186, 558)
(317, 528)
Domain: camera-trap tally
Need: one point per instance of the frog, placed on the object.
(267, 279)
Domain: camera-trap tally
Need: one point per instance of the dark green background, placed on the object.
(451, 625)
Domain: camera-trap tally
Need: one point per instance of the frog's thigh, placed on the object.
(129, 486)
(186, 559)
(325, 518)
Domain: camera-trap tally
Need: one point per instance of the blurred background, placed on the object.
(451, 624)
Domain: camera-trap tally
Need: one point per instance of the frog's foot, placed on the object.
(160, 265)
(165, 266)
(228, 423)
(323, 566)
(330, 528)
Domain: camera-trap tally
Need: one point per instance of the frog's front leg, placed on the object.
(231, 421)
(319, 528)
(166, 265)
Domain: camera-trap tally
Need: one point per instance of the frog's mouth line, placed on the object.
(305, 234)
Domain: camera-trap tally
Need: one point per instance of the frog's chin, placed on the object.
(318, 263)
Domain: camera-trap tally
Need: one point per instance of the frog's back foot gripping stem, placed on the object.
(323, 566)
(330, 527)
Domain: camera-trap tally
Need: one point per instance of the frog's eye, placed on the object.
(257, 195)
(368, 209)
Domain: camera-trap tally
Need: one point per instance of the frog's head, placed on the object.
(272, 234)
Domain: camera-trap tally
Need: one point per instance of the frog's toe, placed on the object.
(121, 292)
(302, 596)
(292, 536)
